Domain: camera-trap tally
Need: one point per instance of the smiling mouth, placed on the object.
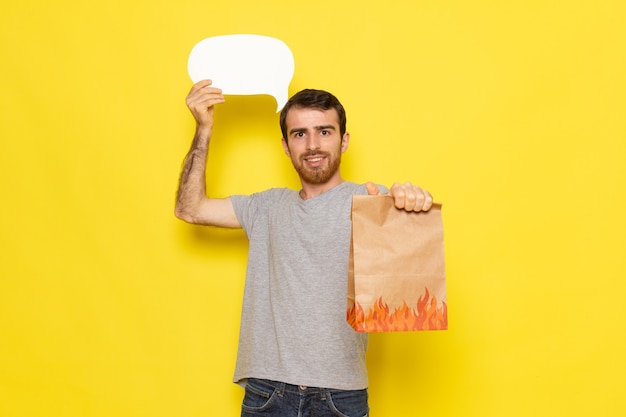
(314, 158)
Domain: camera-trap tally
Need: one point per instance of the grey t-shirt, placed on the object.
(293, 324)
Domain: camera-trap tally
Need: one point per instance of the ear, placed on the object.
(344, 142)
(286, 147)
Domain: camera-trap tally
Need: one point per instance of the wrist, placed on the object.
(203, 134)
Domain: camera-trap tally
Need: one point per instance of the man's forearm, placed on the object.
(192, 182)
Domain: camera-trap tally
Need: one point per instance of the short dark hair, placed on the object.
(313, 99)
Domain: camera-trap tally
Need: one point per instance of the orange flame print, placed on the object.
(426, 316)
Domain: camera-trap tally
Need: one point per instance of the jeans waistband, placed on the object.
(282, 387)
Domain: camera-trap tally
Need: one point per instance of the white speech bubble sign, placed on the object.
(244, 65)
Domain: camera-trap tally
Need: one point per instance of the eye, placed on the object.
(325, 133)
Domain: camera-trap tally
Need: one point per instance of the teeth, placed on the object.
(314, 159)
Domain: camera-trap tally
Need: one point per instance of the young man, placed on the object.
(297, 354)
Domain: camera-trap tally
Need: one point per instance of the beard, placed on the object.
(317, 175)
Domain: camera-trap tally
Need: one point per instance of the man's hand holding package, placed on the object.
(406, 196)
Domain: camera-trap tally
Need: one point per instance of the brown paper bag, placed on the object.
(396, 271)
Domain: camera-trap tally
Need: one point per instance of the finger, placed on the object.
(372, 189)
(209, 100)
(428, 202)
(413, 197)
(423, 201)
(204, 94)
(398, 192)
(199, 86)
(420, 198)
(205, 99)
(203, 83)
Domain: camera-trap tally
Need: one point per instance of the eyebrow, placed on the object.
(318, 128)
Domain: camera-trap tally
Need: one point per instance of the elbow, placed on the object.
(183, 214)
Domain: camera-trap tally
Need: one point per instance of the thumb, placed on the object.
(372, 189)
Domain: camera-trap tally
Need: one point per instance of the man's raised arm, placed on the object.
(192, 203)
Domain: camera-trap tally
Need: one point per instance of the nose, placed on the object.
(312, 143)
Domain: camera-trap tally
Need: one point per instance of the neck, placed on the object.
(313, 190)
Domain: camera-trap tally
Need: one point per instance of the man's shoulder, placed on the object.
(271, 194)
(274, 193)
(356, 188)
(258, 204)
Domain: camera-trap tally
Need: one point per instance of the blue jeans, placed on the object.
(265, 398)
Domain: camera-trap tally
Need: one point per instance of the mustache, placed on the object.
(314, 153)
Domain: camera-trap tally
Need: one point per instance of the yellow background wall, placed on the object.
(511, 113)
